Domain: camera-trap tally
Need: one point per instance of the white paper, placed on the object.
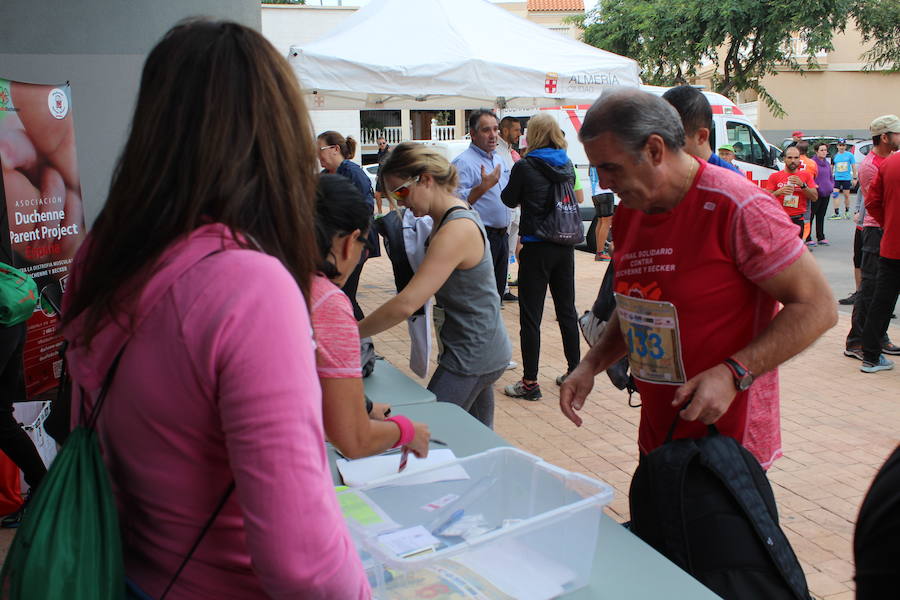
(408, 541)
(501, 564)
(366, 470)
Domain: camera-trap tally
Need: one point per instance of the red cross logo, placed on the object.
(550, 83)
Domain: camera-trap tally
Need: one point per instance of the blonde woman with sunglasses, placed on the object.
(459, 272)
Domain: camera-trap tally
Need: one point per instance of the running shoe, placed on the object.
(883, 364)
(602, 257)
(854, 352)
(510, 297)
(835, 217)
(848, 216)
(849, 300)
(811, 244)
(824, 242)
(891, 348)
(522, 390)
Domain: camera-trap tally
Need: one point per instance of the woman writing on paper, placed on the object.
(198, 270)
(342, 222)
(457, 269)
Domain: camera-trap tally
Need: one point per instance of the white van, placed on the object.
(753, 153)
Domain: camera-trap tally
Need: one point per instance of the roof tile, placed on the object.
(556, 5)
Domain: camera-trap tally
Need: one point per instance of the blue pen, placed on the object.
(456, 516)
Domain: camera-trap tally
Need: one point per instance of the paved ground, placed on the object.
(838, 424)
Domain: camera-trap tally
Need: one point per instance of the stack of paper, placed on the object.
(363, 471)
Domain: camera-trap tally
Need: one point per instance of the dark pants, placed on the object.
(499, 242)
(473, 393)
(868, 265)
(799, 222)
(542, 264)
(13, 439)
(817, 217)
(887, 286)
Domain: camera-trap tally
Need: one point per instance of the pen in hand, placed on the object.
(404, 458)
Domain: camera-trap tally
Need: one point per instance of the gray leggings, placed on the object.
(473, 393)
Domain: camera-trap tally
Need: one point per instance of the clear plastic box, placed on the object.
(515, 527)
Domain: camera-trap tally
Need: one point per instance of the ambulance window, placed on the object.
(747, 145)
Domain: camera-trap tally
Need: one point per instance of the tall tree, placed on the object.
(744, 39)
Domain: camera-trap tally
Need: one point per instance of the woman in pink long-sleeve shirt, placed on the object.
(198, 267)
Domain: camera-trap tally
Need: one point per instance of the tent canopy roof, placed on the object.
(403, 52)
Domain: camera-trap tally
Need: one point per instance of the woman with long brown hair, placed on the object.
(193, 281)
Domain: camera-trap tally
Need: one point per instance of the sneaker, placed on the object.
(854, 352)
(12, 521)
(512, 365)
(824, 242)
(602, 257)
(834, 217)
(509, 297)
(891, 348)
(521, 390)
(883, 364)
(847, 216)
(811, 244)
(849, 300)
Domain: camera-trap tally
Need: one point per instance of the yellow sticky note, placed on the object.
(356, 508)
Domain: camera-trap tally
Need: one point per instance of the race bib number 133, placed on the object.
(650, 329)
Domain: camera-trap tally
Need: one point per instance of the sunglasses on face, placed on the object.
(402, 192)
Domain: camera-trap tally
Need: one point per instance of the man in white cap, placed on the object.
(882, 201)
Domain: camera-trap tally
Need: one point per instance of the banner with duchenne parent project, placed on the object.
(42, 223)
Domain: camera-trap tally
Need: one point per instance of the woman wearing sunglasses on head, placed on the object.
(457, 270)
(342, 223)
(335, 154)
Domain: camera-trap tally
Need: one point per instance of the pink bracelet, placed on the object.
(407, 430)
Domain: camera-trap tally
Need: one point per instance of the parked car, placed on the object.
(860, 149)
(372, 172)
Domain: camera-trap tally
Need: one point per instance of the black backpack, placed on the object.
(707, 505)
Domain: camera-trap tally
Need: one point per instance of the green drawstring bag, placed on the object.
(18, 296)
(68, 546)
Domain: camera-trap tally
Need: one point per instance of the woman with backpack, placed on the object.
(342, 224)
(459, 272)
(532, 184)
(188, 305)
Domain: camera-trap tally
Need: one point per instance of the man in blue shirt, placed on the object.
(696, 117)
(482, 176)
(843, 166)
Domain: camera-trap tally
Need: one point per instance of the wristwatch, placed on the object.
(804, 186)
(743, 378)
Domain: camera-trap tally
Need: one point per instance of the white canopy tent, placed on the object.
(451, 54)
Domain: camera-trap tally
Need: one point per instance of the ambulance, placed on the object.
(754, 155)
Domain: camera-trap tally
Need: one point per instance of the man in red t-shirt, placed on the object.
(702, 260)
(793, 187)
(882, 200)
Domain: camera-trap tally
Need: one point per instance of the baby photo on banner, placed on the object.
(42, 223)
